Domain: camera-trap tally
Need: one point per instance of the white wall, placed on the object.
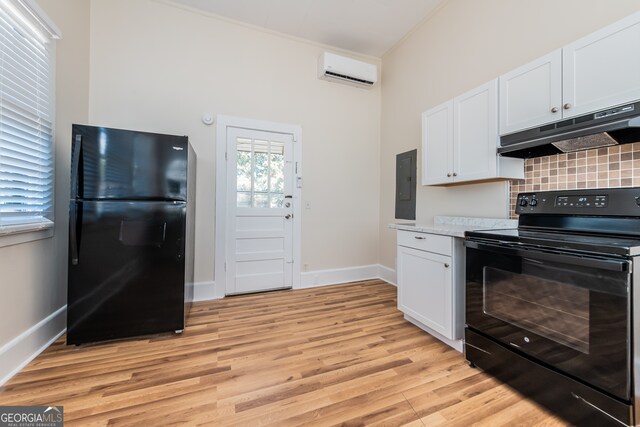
(33, 275)
(463, 45)
(158, 67)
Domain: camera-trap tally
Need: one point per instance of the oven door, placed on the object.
(569, 311)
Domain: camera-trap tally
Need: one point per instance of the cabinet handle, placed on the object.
(567, 106)
(455, 174)
(554, 110)
(419, 237)
(448, 175)
(446, 265)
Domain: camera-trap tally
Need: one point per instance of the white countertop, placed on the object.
(455, 226)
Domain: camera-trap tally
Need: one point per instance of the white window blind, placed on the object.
(26, 118)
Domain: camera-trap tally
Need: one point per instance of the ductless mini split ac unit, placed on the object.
(340, 69)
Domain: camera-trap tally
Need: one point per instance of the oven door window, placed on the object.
(570, 312)
(534, 301)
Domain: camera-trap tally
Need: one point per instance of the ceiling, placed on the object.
(369, 27)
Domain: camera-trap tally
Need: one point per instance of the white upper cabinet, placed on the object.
(532, 94)
(460, 140)
(602, 69)
(437, 156)
(475, 133)
(598, 71)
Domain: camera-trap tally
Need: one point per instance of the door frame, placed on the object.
(223, 123)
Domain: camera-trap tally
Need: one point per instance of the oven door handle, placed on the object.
(528, 252)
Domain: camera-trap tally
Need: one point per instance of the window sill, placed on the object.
(38, 232)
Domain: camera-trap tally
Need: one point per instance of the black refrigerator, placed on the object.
(131, 234)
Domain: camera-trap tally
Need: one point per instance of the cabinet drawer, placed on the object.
(426, 242)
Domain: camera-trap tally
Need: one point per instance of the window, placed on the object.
(26, 117)
(260, 169)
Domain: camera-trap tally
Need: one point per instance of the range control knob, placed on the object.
(523, 202)
(533, 202)
(638, 201)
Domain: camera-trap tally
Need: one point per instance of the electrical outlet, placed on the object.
(307, 205)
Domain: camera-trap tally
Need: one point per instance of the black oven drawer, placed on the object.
(574, 401)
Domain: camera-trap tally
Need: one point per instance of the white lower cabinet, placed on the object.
(430, 284)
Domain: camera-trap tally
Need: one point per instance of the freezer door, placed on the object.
(126, 269)
(121, 164)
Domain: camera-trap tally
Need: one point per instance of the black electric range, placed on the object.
(550, 305)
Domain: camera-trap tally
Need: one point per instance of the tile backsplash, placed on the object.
(610, 167)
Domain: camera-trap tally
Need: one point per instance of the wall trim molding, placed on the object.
(388, 275)
(209, 291)
(21, 350)
(324, 46)
(205, 291)
(312, 279)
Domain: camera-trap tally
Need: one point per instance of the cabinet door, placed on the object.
(425, 287)
(475, 133)
(437, 144)
(531, 95)
(602, 69)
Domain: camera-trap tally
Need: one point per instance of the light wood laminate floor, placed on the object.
(337, 355)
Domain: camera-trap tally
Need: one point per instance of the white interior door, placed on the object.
(260, 219)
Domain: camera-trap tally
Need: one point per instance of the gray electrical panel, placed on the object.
(406, 185)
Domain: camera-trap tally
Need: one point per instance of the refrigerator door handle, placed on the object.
(73, 241)
(75, 162)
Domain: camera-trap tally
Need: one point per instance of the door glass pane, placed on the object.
(261, 167)
(260, 173)
(277, 200)
(261, 200)
(277, 168)
(244, 199)
(244, 165)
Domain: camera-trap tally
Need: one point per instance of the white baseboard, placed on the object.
(312, 279)
(205, 291)
(21, 350)
(387, 274)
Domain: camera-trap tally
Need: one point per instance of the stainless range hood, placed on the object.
(619, 125)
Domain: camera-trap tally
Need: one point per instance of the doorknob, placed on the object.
(288, 216)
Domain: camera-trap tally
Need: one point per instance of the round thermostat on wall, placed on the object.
(207, 119)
